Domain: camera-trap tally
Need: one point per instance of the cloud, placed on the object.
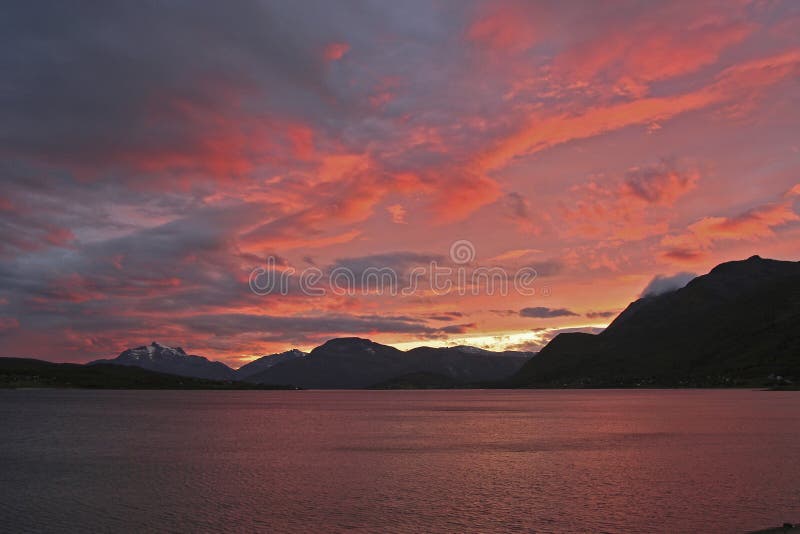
(631, 53)
(336, 51)
(542, 130)
(8, 323)
(398, 213)
(446, 316)
(756, 223)
(632, 207)
(458, 328)
(157, 104)
(661, 284)
(546, 313)
(506, 27)
(142, 181)
(505, 313)
(385, 272)
(514, 254)
(456, 198)
(662, 183)
(519, 211)
(400, 261)
(684, 255)
(299, 327)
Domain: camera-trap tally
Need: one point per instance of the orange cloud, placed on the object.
(288, 241)
(629, 209)
(301, 138)
(342, 166)
(514, 254)
(398, 213)
(457, 198)
(753, 224)
(635, 56)
(542, 131)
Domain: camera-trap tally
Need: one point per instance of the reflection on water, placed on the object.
(549, 461)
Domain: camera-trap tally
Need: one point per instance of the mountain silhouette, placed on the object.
(27, 373)
(359, 363)
(265, 362)
(737, 325)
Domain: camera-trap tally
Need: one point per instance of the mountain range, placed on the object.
(339, 363)
(30, 373)
(360, 363)
(738, 325)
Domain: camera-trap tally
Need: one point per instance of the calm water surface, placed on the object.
(477, 461)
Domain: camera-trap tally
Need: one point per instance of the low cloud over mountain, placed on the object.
(663, 284)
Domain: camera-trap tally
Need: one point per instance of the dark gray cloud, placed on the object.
(458, 328)
(601, 314)
(311, 329)
(547, 268)
(187, 263)
(235, 323)
(97, 84)
(83, 81)
(542, 312)
(505, 313)
(445, 316)
(386, 272)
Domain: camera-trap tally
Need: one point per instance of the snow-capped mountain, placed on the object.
(164, 359)
(265, 362)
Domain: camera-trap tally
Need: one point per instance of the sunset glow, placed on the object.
(150, 163)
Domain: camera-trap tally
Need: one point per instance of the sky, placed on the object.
(158, 159)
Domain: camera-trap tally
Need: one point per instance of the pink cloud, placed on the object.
(630, 208)
(645, 51)
(659, 184)
(459, 196)
(335, 51)
(754, 224)
(542, 130)
(398, 213)
(507, 26)
(8, 323)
